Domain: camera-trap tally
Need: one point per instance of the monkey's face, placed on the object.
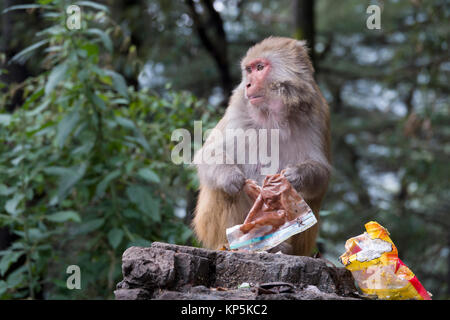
(277, 80)
(255, 78)
(263, 101)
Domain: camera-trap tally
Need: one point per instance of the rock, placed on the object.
(166, 271)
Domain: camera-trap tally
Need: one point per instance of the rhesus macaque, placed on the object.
(277, 91)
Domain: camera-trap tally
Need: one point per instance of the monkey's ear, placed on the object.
(304, 50)
(302, 44)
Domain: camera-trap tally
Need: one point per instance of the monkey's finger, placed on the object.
(232, 189)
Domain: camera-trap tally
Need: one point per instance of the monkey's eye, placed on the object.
(248, 69)
(259, 66)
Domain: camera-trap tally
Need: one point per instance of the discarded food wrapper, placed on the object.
(244, 285)
(277, 214)
(373, 260)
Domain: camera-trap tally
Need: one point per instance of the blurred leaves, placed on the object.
(63, 216)
(56, 76)
(85, 165)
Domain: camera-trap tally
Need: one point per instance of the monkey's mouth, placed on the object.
(255, 99)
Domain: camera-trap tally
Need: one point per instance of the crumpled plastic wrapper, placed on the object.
(373, 260)
(277, 214)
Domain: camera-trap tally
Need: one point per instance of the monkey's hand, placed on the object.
(231, 180)
(309, 178)
(293, 175)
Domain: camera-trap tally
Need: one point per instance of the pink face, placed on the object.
(256, 73)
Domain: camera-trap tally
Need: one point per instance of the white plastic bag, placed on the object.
(277, 214)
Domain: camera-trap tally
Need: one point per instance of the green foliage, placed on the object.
(85, 168)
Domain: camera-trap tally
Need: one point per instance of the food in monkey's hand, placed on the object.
(275, 203)
(278, 213)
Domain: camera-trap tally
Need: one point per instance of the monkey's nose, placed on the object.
(249, 85)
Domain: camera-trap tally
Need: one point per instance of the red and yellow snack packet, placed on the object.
(373, 260)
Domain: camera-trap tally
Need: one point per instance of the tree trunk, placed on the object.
(217, 44)
(304, 24)
(16, 73)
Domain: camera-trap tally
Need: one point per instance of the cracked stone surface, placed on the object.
(166, 271)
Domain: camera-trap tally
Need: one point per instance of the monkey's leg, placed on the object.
(215, 212)
(303, 243)
(285, 247)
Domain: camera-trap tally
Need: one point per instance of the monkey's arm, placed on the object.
(214, 172)
(226, 177)
(309, 178)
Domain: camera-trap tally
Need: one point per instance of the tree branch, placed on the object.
(218, 50)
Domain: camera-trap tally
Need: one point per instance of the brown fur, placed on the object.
(304, 144)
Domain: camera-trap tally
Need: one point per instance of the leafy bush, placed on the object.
(85, 168)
